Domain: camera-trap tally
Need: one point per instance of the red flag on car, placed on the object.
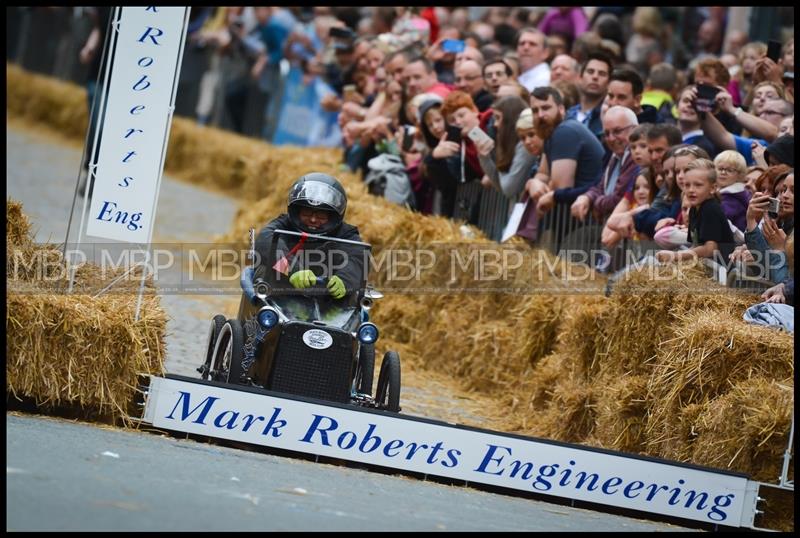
(282, 265)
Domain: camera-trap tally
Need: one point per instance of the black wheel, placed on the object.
(365, 370)
(388, 394)
(229, 352)
(213, 332)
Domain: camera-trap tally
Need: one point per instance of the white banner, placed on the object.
(136, 123)
(522, 463)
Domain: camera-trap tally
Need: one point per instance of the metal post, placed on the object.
(787, 457)
(102, 72)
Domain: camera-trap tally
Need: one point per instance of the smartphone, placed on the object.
(408, 137)
(453, 45)
(348, 91)
(774, 50)
(773, 208)
(705, 97)
(476, 134)
(453, 134)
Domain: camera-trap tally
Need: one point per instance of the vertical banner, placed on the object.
(139, 105)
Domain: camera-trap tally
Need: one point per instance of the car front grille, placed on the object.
(317, 373)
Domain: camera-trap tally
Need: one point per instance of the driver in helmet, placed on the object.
(316, 205)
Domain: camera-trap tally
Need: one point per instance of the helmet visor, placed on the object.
(316, 193)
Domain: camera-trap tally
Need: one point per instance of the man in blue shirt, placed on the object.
(572, 159)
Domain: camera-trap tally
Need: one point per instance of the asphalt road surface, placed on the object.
(67, 476)
(62, 475)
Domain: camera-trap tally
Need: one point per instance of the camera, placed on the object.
(773, 208)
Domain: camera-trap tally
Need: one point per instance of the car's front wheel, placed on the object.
(229, 352)
(213, 332)
(388, 393)
(365, 369)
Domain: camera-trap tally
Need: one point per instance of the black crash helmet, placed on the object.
(317, 191)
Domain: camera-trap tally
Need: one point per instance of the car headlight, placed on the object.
(367, 333)
(267, 317)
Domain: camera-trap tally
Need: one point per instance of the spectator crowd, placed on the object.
(652, 124)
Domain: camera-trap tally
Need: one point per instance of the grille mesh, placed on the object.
(316, 373)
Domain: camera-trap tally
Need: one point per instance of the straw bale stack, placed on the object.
(80, 350)
(571, 412)
(745, 429)
(646, 306)
(77, 350)
(712, 351)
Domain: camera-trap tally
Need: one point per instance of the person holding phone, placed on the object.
(765, 235)
(455, 158)
(505, 160)
(719, 135)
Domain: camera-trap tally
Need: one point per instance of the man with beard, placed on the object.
(572, 157)
(592, 87)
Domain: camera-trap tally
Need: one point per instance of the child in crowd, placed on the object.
(731, 169)
(640, 154)
(709, 231)
(675, 235)
(644, 190)
(672, 232)
(638, 145)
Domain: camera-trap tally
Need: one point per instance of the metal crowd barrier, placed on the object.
(494, 211)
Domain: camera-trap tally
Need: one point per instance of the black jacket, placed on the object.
(324, 258)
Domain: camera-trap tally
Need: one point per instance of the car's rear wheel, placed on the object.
(213, 332)
(229, 352)
(388, 393)
(365, 370)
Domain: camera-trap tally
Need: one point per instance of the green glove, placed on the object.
(336, 287)
(303, 279)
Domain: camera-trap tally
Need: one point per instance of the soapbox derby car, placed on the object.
(302, 342)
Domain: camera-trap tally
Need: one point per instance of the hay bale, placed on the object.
(18, 227)
(77, 349)
(80, 350)
(622, 410)
(747, 429)
(581, 334)
(649, 303)
(712, 350)
(571, 414)
(41, 99)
